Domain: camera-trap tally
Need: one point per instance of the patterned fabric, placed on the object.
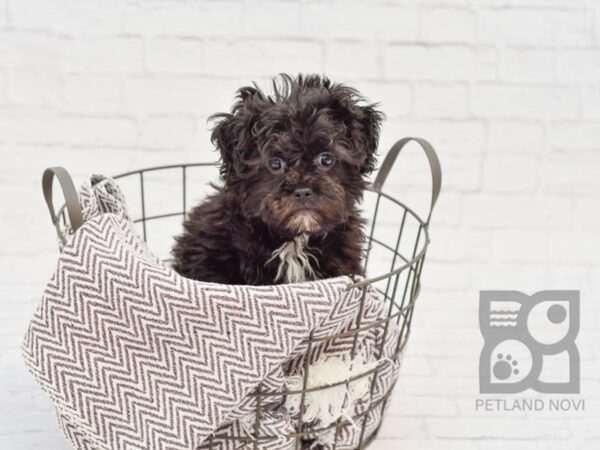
(135, 356)
(349, 435)
(98, 195)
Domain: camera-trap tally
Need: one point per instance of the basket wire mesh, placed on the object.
(397, 267)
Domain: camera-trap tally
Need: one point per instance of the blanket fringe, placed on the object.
(326, 406)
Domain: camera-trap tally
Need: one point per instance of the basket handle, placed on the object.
(70, 194)
(434, 165)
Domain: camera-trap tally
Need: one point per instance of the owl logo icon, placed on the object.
(529, 342)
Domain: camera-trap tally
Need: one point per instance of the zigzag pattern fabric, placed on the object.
(135, 356)
(276, 424)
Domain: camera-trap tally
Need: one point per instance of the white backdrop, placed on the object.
(507, 90)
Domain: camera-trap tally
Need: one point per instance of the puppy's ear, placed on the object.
(367, 134)
(362, 121)
(224, 140)
(232, 134)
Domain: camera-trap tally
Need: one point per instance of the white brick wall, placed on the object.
(508, 91)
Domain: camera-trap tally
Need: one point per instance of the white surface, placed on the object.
(507, 90)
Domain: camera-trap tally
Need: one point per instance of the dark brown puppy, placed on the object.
(293, 168)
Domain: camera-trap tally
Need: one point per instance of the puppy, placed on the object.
(293, 167)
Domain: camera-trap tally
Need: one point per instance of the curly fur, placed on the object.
(238, 234)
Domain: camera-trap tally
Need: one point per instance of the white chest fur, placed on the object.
(295, 260)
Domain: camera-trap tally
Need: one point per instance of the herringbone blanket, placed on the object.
(135, 356)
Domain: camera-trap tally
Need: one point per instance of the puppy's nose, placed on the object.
(303, 194)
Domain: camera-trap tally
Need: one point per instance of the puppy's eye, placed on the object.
(325, 160)
(276, 165)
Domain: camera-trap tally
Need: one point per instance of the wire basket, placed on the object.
(397, 241)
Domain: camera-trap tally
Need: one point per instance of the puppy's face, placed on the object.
(296, 160)
(305, 180)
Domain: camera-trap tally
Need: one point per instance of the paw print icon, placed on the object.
(529, 342)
